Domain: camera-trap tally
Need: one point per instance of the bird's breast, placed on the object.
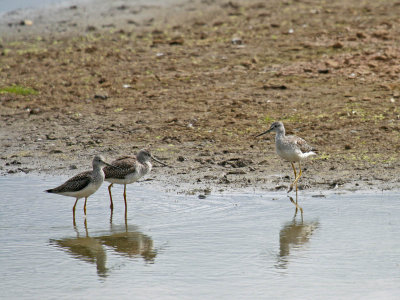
(287, 152)
(140, 171)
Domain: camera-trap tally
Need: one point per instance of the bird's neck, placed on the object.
(144, 168)
(148, 165)
(145, 164)
(280, 134)
(98, 170)
(143, 161)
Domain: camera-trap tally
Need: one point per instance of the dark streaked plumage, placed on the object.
(130, 169)
(126, 165)
(73, 185)
(84, 184)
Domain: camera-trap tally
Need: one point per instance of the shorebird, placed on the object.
(130, 169)
(291, 148)
(84, 184)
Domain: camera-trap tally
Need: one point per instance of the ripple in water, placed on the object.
(227, 246)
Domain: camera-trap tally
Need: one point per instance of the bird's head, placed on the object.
(99, 161)
(276, 127)
(144, 156)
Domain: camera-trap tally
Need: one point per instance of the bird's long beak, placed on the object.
(262, 133)
(160, 162)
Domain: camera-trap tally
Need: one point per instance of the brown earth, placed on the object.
(197, 81)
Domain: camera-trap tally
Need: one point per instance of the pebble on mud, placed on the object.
(55, 151)
(51, 137)
(237, 172)
(91, 28)
(280, 187)
(275, 87)
(101, 96)
(360, 35)
(237, 41)
(34, 111)
(236, 162)
(178, 40)
(323, 71)
(26, 23)
(337, 45)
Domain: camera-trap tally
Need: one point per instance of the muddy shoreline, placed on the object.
(195, 81)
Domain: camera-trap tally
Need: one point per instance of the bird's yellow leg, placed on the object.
(295, 182)
(109, 191)
(126, 206)
(86, 230)
(295, 176)
(294, 170)
(125, 195)
(84, 206)
(297, 206)
(294, 203)
(73, 211)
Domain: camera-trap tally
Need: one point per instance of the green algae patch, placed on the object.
(18, 90)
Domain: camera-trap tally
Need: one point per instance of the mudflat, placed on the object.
(196, 81)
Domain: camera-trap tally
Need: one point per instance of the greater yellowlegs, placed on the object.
(84, 184)
(130, 169)
(291, 148)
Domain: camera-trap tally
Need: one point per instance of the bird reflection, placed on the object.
(297, 207)
(294, 235)
(129, 242)
(124, 240)
(85, 248)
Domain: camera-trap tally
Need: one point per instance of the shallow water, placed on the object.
(10, 5)
(7, 6)
(227, 246)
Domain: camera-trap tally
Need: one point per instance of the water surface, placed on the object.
(10, 5)
(227, 246)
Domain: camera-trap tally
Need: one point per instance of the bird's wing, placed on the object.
(125, 164)
(301, 143)
(76, 183)
(124, 158)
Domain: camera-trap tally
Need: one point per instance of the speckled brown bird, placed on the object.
(130, 169)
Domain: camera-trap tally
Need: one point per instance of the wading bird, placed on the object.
(84, 184)
(291, 148)
(130, 169)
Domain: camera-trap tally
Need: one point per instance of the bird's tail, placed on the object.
(311, 153)
(50, 191)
